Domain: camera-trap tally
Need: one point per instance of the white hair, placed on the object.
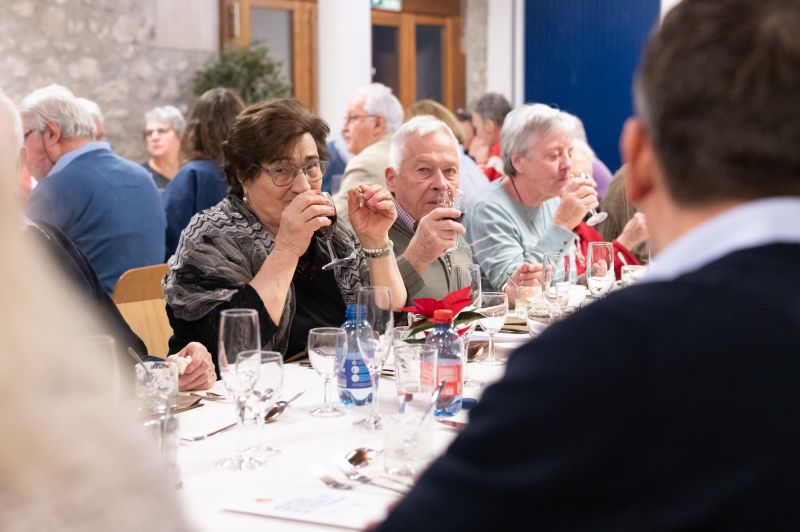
(420, 126)
(525, 126)
(167, 114)
(379, 100)
(16, 123)
(578, 131)
(56, 103)
(583, 147)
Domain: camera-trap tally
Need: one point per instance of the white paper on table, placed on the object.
(345, 509)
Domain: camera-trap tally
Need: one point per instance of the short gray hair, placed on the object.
(16, 122)
(492, 106)
(526, 125)
(379, 100)
(56, 103)
(421, 126)
(168, 114)
(578, 130)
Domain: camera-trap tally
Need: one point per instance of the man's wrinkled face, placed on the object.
(39, 161)
(361, 129)
(429, 166)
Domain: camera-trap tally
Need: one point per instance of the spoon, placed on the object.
(278, 408)
(140, 361)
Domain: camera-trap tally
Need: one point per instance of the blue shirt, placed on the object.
(752, 224)
(107, 206)
(197, 186)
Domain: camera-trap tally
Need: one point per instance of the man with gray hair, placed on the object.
(373, 114)
(97, 117)
(107, 205)
(423, 177)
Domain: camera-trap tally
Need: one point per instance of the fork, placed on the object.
(328, 480)
(351, 473)
(204, 436)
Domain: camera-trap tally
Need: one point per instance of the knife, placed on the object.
(453, 424)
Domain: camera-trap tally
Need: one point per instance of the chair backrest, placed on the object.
(140, 284)
(148, 319)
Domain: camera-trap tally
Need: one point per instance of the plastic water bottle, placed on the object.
(448, 364)
(355, 387)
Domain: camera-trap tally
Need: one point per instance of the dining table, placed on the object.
(308, 446)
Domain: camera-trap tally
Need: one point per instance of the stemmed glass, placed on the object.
(494, 308)
(600, 268)
(374, 337)
(326, 349)
(454, 199)
(462, 276)
(556, 282)
(239, 333)
(326, 234)
(269, 381)
(594, 216)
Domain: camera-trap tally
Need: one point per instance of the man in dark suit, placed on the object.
(673, 404)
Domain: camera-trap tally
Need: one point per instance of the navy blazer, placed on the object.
(665, 406)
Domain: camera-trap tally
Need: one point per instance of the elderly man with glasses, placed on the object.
(108, 206)
(373, 114)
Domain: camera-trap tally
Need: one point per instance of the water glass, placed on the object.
(409, 371)
(464, 275)
(374, 337)
(600, 268)
(494, 308)
(267, 388)
(157, 387)
(327, 351)
(632, 273)
(164, 432)
(522, 297)
(556, 282)
(408, 446)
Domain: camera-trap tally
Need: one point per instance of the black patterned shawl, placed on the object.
(223, 248)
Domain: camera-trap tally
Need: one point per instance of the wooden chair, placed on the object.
(140, 284)
(148, 319)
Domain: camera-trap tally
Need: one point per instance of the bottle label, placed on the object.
(356, 374)
(453, 378)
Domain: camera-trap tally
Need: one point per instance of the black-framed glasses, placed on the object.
(28, 133)
(353, 118)
(283, 174)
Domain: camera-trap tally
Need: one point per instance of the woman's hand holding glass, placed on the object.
(307, 213)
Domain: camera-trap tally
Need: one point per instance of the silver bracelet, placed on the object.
(377, 253)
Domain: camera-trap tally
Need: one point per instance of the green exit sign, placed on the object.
(388, 5)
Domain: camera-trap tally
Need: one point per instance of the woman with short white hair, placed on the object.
(520, 217)
(163, 128)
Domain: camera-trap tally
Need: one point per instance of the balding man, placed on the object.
(108, 206)
(373, 114)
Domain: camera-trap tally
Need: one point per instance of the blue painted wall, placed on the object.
(580, 55)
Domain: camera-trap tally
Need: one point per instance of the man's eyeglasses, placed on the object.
(160, 130)
(28, 133)
(353, 118)
(283, 174)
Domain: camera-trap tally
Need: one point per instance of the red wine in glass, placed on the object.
(326, 234)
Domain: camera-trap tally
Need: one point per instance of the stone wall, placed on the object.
(126, 55)
(475, 16)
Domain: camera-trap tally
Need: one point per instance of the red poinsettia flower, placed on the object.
(455, 301)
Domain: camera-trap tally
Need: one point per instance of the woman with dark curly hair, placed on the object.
(257, 248)
(200, 183)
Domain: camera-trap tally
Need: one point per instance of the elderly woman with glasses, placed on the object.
(163, 127)
(262, 246)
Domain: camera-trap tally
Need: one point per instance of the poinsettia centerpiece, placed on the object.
(423, 308)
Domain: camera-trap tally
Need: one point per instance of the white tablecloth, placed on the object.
(302, 439)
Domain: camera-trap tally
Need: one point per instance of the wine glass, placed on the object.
(454, 199)
(239, 333)
(374, 337)
(326, 234)
(594, 216)
(326, 349)
(267, 388)
(494, 308)
(462, 276)
(556, 282)
(600, 268)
